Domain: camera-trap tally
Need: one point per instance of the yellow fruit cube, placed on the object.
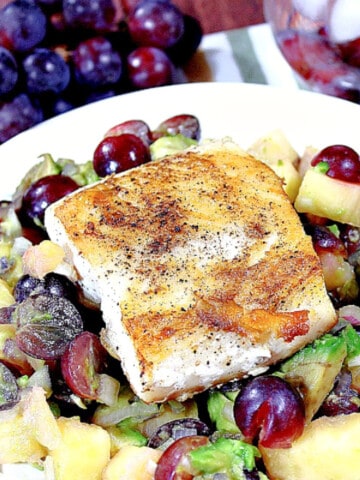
(131, 462)
(329, 449)
(28, 429)
(82, 454)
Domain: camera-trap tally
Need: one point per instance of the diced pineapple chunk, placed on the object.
(327, 197)
(329, 449)
(273, 147)
(137, 463)
(6, 297)
(276, 151)
(83, 452)
(28, 429)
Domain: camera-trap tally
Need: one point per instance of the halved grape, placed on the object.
(52, 283)
(269, 410)
(175, 456)
(178, 428)
(81, 364)
(46, 323)
(9, 391)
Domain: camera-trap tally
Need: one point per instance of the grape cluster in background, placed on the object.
(56, 55)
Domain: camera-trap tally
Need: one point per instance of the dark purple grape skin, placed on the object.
(342, 400)
(22, 25)
(45, 72)
(156, 23)
(97, 63)
(9, 391)
(176, 428)
(268, 410)
(52, 283)
(17, 115)
(95, 15)
(46, 324)
(343, 162)
(43, 193)
(149, 67)
(119, 153)
(182, 51)
(9, 72)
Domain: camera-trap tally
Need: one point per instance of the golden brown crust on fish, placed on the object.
(201, 266)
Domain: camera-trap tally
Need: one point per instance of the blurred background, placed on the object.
(219, 15)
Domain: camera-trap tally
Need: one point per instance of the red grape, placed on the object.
(156, 23)
(269, 410)
(149, 67)
(136, 127)
(340, 162)
(325, 240)
(119, 153)
(184, 124)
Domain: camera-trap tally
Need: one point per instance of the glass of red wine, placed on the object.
(320, 39)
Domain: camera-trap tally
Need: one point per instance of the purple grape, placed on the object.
(155, 23)
(96, 63)
(9, 391)
(17, 115)
(46, 323)
(53, 283)
(96, 15)
(22, 25)
(119, 153)
(181, 52)
(45, 72)
(149, 67)
(341, 162)
(8, 71)
(42, 193)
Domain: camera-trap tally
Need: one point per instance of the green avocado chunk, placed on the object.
(220, 407)
(170, 144)
(313, 370)
(225, 455)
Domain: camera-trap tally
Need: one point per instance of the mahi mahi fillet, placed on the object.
(200, 266)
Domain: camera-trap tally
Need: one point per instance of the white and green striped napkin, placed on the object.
(247, 55)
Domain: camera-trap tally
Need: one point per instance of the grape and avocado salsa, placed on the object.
(55, 370)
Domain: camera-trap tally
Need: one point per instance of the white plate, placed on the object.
(242, 111)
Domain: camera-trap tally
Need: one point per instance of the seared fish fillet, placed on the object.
(200, 266)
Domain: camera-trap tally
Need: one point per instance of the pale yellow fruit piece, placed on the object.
(83, 452)
(329, 198)
(276, 151)
(38, 260)
(329, 449)
(6, 297)
(28, 429)
(273, 147)
(290, 176)
(137, 463)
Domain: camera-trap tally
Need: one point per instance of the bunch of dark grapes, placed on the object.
(56, 55)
